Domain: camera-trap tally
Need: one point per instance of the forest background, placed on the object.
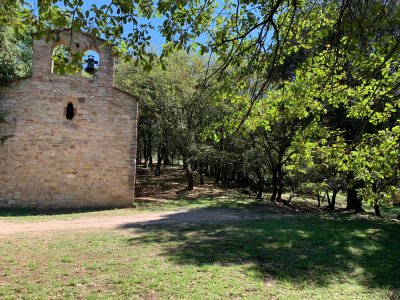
(283, 96)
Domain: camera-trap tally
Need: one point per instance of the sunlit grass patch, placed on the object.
(291, 258)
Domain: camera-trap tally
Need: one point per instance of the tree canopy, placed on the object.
(293, 87)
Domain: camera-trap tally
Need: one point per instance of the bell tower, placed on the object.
(99, 69)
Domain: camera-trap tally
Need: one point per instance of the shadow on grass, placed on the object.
(312, 250)
(240, 203)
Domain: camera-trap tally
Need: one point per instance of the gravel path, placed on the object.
(124, 222)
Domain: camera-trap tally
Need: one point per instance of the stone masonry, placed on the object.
(54, 162)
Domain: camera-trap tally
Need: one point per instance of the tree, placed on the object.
(15, 55)
(174, 107)
(345, 84)
(15, 62)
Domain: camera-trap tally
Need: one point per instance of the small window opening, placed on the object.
(70, 111)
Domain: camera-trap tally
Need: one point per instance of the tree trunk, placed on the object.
(159, 161)
(290, 197)
(328, 198)
(319, 200)
(353, 201)
(377, 210)
(184, 164)
(217, 176)
(201, 174)
(149, 153)
(259, 189)
(274, 185)
(165, 155)
(279, 183)
(280, 190)
(323, 198)
(333, 202)
(138, 158)
(146, 159)
(206, 170)
(189, 174)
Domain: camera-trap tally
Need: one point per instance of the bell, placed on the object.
(90, 65)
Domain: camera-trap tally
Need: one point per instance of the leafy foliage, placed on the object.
(15, 61)
(15, 55)
(174, 112)
(296, 87)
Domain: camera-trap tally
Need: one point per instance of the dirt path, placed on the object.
(125, 222)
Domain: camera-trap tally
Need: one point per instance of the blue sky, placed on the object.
(156, 39)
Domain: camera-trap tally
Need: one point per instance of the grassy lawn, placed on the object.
(314, 257)
(299, 204)
(29, 215)
(242, 203)
(386, 212)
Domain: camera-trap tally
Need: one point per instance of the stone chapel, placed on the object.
(73, 137)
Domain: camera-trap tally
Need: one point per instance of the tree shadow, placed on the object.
(313, 250)
(241, 206)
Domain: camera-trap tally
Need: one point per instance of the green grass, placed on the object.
(386, 212)
(29, 215)
(238, 203)
(204, 202)
(314, 257)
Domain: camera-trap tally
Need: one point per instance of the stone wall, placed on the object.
(53, 162)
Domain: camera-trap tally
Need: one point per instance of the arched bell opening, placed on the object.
(62, 61)
(59, 58)
(91, 63)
